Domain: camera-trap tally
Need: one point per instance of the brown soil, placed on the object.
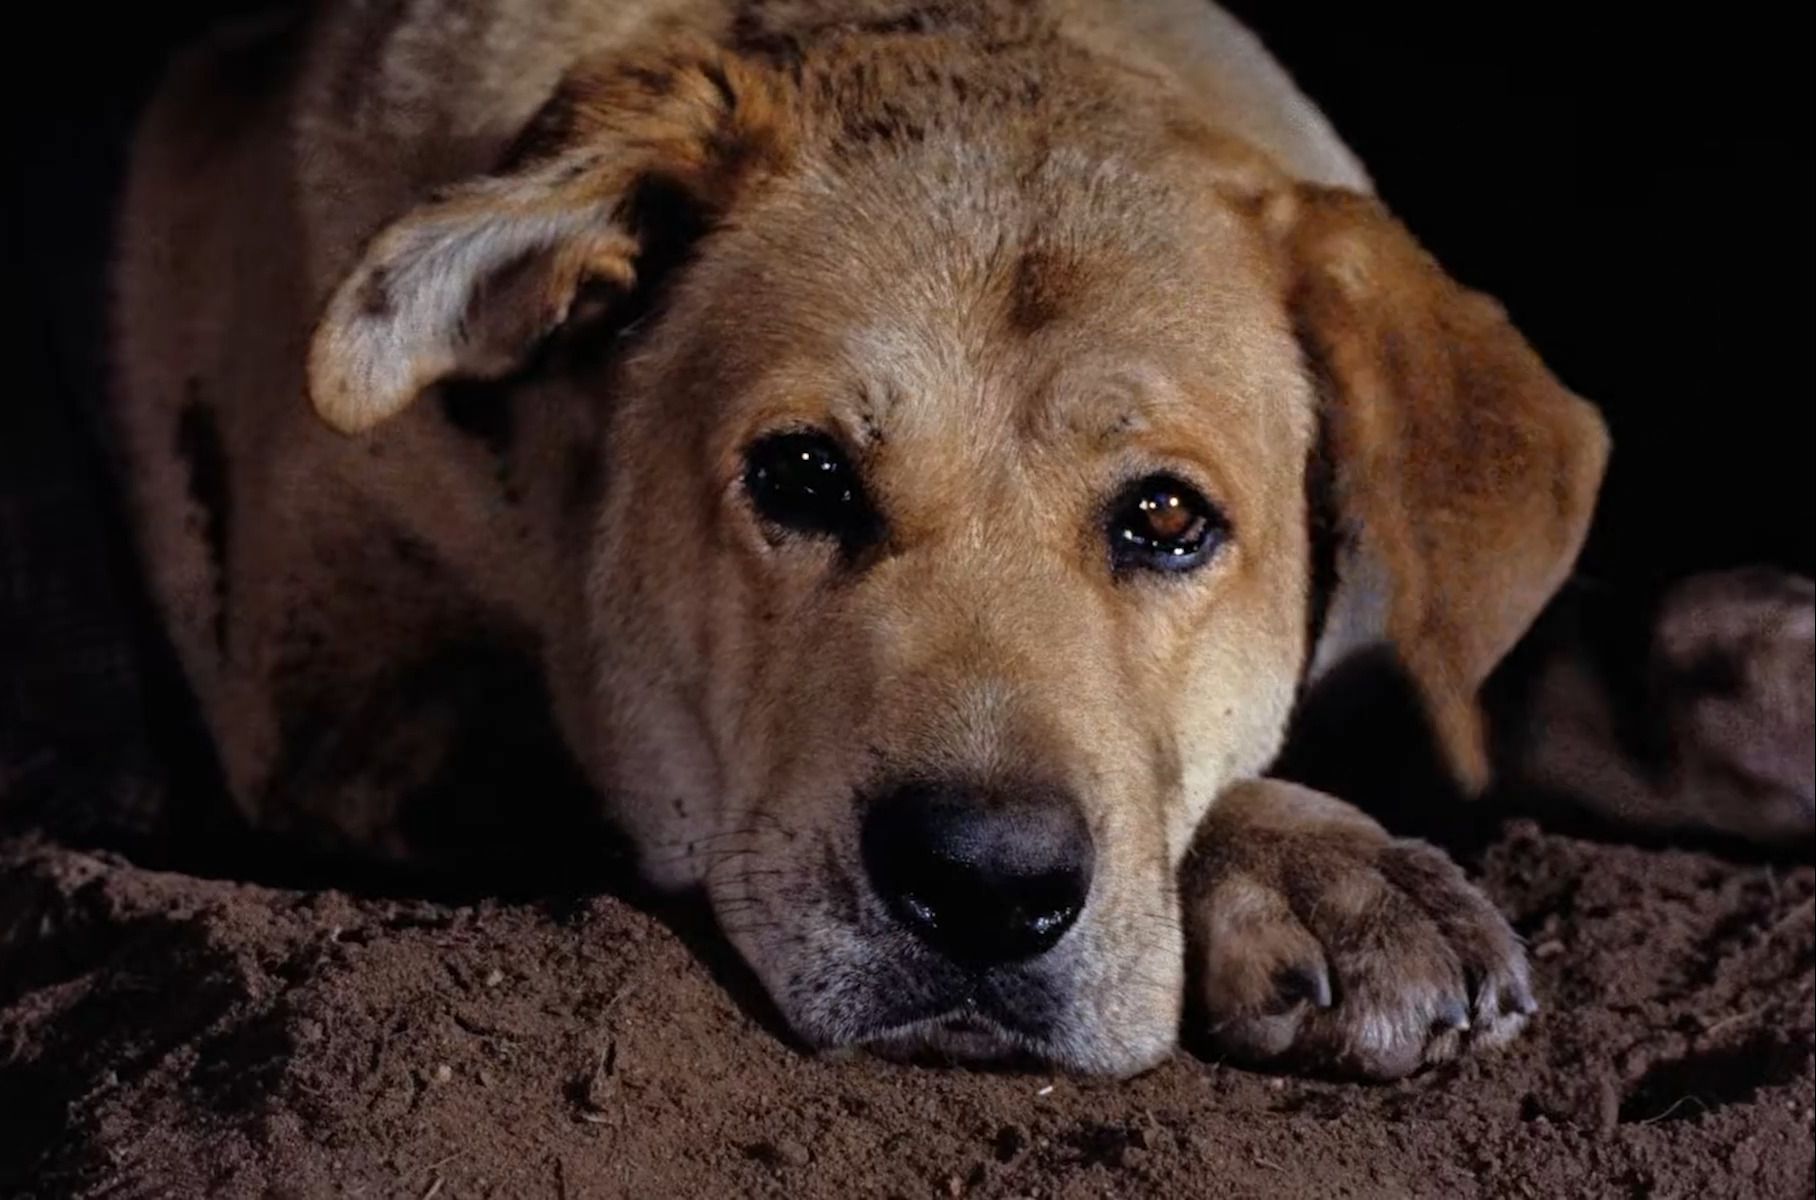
(162, 1034)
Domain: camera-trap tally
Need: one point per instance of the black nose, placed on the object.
(985, 876)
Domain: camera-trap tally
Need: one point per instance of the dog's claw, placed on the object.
(1517, 997)
(1296, 985)
(1453, 1015)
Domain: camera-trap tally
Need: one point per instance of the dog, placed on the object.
(919, 456)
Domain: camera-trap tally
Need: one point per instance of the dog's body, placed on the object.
(1014, 256)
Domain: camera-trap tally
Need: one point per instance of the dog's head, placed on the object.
(952, 547)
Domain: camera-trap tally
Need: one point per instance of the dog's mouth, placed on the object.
(979, 980)
(967, 1033)
(976, 1027)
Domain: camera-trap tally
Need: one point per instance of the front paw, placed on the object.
(1319, 942)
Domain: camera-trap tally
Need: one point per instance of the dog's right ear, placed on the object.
(470, 283)
(1464, 473)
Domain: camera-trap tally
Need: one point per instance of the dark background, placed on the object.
(1636, 188)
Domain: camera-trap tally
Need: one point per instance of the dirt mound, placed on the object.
(163, 1034)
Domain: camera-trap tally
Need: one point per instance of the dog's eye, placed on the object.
(802, 482)
(1160, 523)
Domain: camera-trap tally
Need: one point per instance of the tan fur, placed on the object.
(1466, 469)
(1325, 942)
(1009, 255)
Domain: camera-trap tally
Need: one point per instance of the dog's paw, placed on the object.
(1329, 946)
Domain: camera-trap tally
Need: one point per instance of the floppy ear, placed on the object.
(627, 152)
(1463, 475)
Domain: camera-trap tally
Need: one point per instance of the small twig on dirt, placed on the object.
(439, 1163)
(607, 1063)
(561, 1177)
(1731, 1018)
(1794, 914)
(625, 990)
(596, 1091)
(1265, 1162)
(1675, 1105)
(434, 1189)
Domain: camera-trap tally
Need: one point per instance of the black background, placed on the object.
(1636, 188)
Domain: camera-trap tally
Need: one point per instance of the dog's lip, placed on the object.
(964, 1032)
(968, 1021)
(967, 1027)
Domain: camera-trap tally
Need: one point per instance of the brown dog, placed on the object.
(934, 446)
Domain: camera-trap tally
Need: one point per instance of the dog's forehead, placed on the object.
(985, 285)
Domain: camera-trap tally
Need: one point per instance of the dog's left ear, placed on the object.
(1462, 474)
(632, 157)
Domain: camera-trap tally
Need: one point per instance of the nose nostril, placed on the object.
(981, 878)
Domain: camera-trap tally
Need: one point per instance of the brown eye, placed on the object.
(1160, 523)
